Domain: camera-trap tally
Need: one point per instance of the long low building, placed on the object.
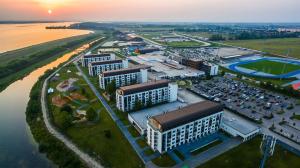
(185, 125)
(87, 59)
(239, 128)
(135, 97)
(124, 77)
(96, 68)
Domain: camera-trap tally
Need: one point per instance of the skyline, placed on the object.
(151, 11)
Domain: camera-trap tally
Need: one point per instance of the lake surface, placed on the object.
(17, 146)
(15, 36)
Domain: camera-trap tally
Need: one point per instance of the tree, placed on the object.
(64, 120)
(83, 91)
(66, 108)
(111, 88)
(222, 73)
(91, 114)
(107, 133)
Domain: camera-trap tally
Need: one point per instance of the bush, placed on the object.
(91, 114)
(107, 133)
(67, 109)
(64, 120)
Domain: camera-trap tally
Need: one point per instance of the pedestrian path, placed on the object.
(122, 127)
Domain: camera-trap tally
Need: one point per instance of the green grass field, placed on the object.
(184, 44)
(271, 67)
(90, 137)
(273, 46)
(248, 155)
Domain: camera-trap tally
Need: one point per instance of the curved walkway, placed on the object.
(91, 162)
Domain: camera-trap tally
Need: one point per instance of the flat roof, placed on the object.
(124, 71)
(97, 55)
(142, 87)
(243, 127)
(106, 62)
(187, 114)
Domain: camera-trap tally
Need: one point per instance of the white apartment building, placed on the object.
(185, 125)
(86, 59)
(128, 98)
(124, 77)
(96, 68)
(214, 69)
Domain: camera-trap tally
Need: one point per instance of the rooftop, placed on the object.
(97, 55)
(241, 126)
(106, 62)
(143, 86)
(186, 97)
(124, 71)
(187, 114)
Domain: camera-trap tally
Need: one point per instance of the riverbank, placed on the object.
(54, 149)
(14, 65)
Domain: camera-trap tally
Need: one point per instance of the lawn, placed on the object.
(141, 142)
(149, 152)
(206, 147)
(164, 160)
(133, 131)
(184, 44)
(92, 137)
(297, 117)
(179, 154)
(248, 155)
(273, 46)
(271, 67)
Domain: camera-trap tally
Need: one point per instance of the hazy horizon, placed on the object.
(213, 11)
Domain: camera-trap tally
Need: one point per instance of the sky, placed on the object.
(152, 10)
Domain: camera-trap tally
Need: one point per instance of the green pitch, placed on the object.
(271, 67)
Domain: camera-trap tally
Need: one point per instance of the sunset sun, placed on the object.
(49, 11)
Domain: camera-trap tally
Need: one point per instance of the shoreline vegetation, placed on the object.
(54, 149)
(16, 64)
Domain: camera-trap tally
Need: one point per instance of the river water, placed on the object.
(17, 146)
(15, 36)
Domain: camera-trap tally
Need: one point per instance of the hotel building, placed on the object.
(86, 59)
(185, 125)
(124, 77)
(96, 68)
(147, 94)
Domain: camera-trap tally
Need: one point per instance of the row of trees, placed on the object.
(247, 35)
(285, 90)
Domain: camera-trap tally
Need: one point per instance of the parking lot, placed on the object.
(212, 54)
(252, 102)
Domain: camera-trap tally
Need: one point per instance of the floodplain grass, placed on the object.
(18, 63)
(280, 46)
(102, 139)
(271, 67)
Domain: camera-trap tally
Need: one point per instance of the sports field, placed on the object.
(271, 67)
